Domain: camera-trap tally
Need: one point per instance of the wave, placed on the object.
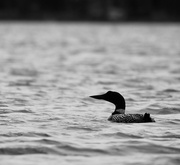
(133, 146)
(24, 72)
(22, 134)
(81, 128)
(122, 135)
(169, 90)
(127, 147)
(25, 150)
(61, 149)
(160, 109)
(5, 111)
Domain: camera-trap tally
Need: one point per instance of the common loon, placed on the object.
(119, 114)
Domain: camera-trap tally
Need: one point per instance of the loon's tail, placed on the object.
(147, 118)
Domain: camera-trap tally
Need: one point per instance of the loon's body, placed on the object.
(130, 118)
(119, 114)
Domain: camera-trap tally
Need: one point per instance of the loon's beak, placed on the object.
(98, 96)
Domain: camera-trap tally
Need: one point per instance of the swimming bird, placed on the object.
(119, 113)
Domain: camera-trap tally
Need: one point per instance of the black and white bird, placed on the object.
(119, 113)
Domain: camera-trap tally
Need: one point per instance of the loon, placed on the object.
(119, 115)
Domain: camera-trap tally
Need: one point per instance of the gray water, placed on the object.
(47, 72)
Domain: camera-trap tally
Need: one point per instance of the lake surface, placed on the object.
(49, 70)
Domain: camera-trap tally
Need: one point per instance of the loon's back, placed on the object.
(131, 118)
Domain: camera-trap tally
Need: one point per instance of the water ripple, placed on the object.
(22, 134)
(47, 72)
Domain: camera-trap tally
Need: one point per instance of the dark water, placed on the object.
(47, 72)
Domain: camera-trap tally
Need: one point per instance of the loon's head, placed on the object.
(114, 97)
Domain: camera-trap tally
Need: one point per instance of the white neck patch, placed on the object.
(120, 111)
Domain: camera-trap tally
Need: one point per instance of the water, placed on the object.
(47, 72)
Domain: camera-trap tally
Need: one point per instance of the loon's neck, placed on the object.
(120, 105)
